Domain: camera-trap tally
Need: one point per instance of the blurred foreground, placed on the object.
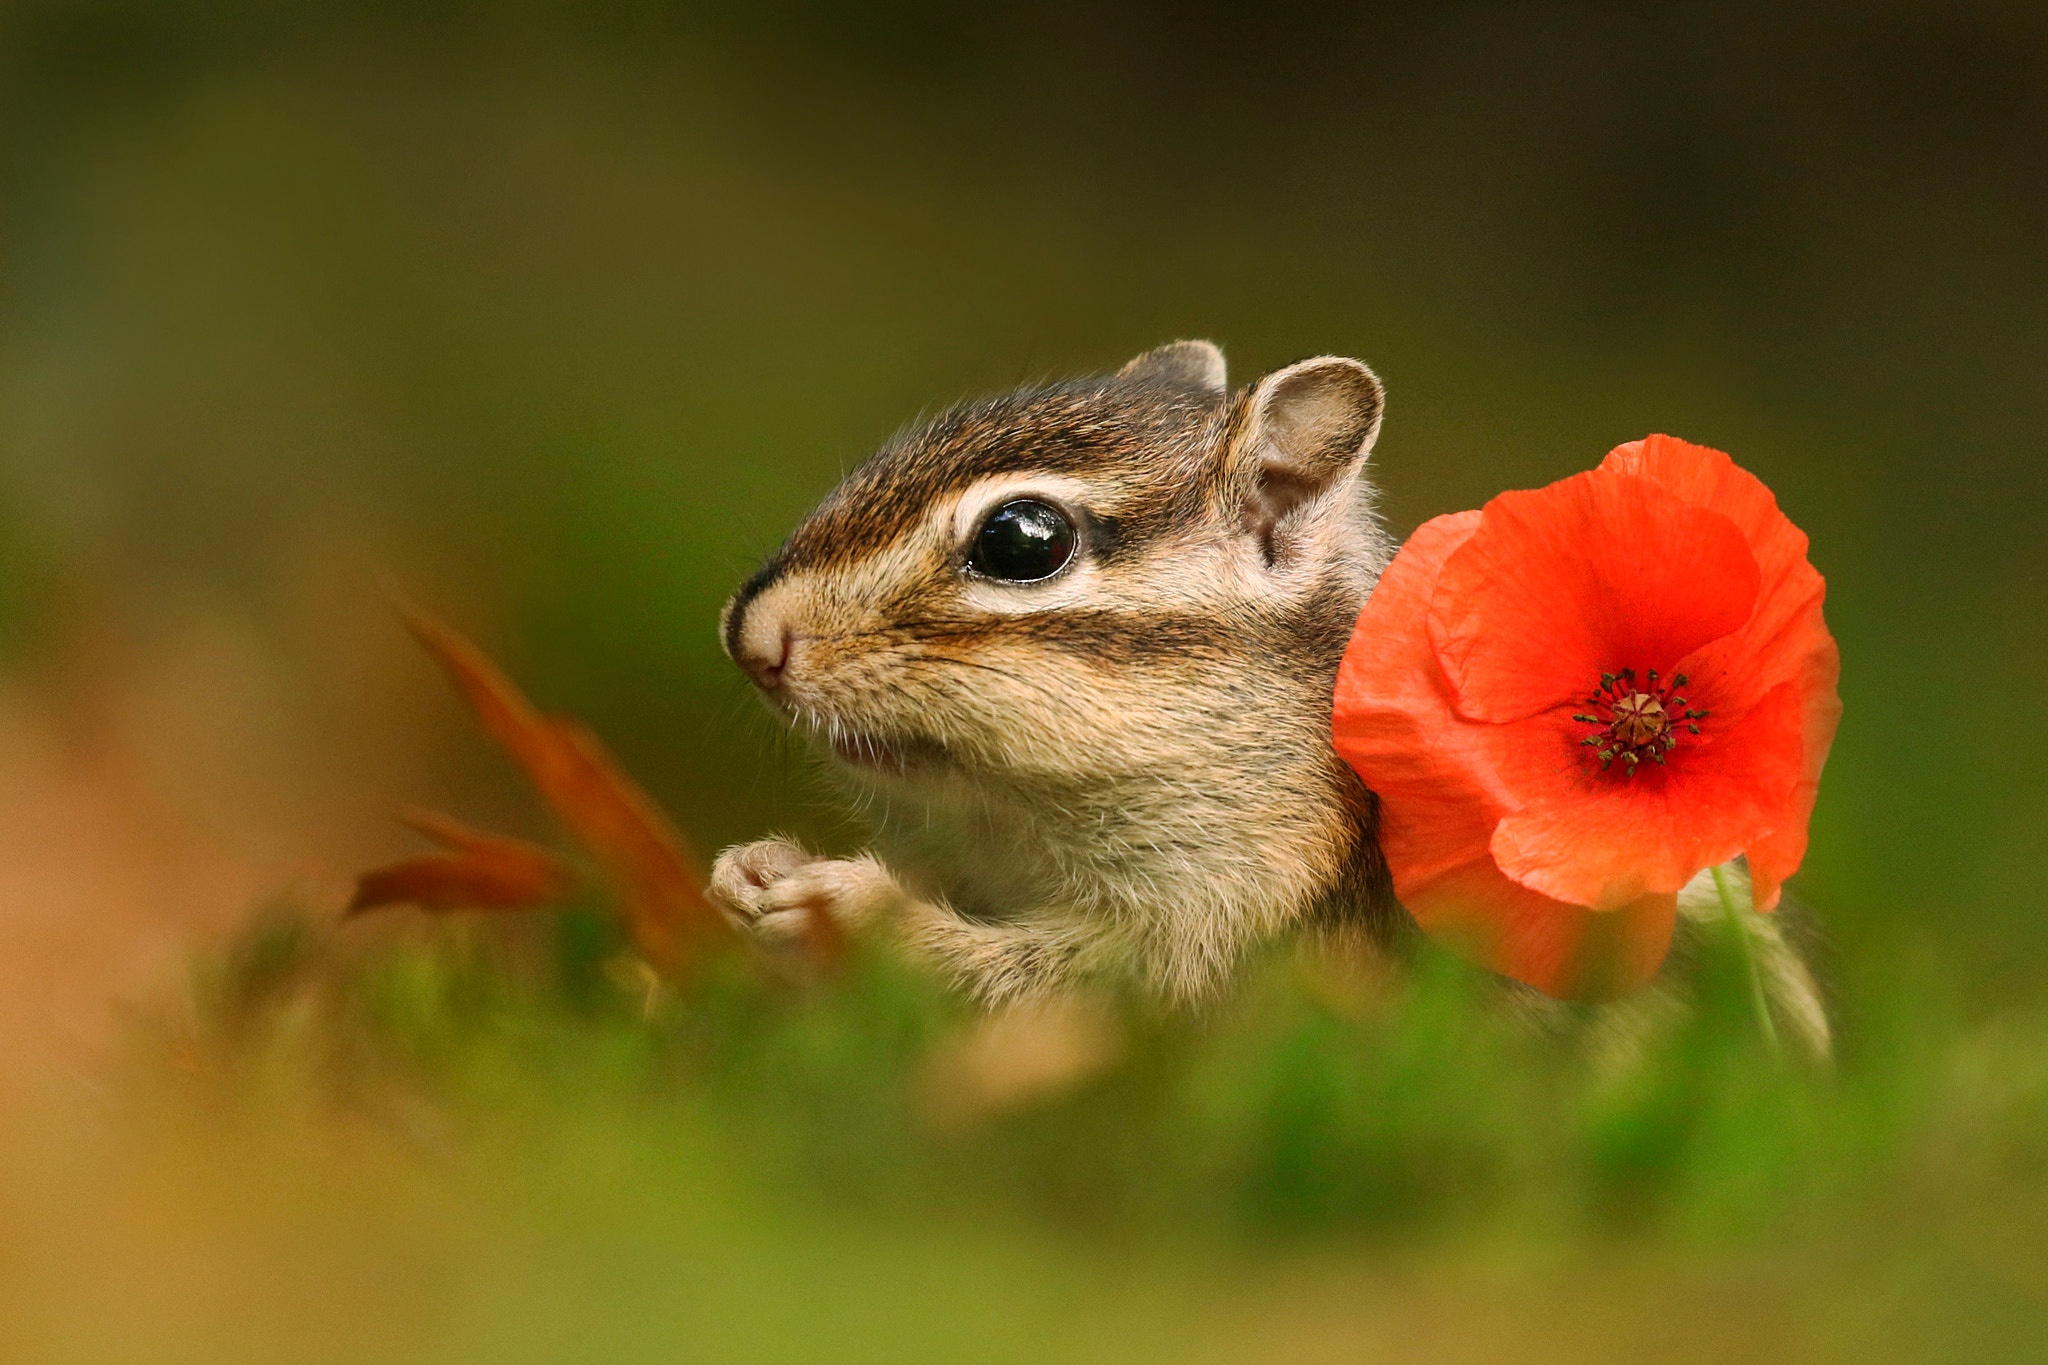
(499, 1142)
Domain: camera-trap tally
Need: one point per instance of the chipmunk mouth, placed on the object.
(896, 755)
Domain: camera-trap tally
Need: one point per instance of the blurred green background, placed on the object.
(562, 314)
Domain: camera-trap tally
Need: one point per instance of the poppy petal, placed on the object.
(1786, 636)
(1603, 839)
(1705, 477)
(1560, 949)
(1596, 573)
(1394, 723)
(1786, 622)
(1778, 854)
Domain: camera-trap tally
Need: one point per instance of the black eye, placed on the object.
(1023, 541)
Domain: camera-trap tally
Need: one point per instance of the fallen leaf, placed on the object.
(659, 884)
(479, 871)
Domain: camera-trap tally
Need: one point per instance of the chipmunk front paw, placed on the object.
(772, 890)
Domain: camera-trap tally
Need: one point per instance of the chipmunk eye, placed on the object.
(1022, 541)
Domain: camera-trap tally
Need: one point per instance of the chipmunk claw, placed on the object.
(773, 890)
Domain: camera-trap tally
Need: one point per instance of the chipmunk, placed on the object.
(1077, 646)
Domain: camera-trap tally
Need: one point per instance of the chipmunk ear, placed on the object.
(1196, 365)
(1301, 437)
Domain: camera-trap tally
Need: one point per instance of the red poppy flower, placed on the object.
(1574, 700)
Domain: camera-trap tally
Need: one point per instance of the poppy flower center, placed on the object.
(1637, 721)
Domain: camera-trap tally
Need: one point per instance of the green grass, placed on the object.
(485, 1139)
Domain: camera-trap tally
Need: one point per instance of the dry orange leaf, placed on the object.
(659, 884)
(479, 871)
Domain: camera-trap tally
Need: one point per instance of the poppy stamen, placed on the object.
(1637, 721)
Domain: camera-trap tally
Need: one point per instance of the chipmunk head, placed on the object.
(1137, 575)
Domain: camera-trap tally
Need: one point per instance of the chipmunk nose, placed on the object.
(759, 641)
